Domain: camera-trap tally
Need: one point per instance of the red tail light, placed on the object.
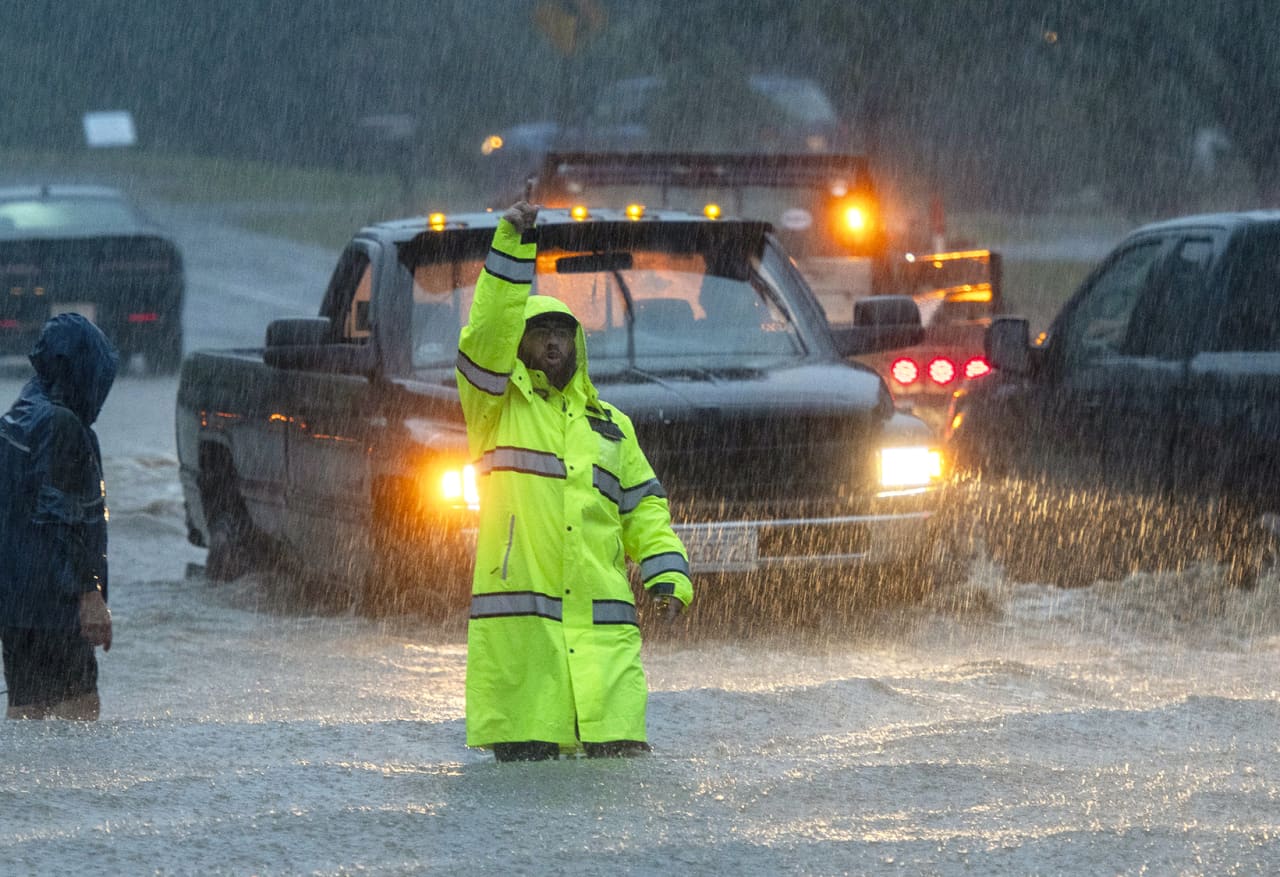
(905, 371)
(942, 371)
(977, 367)
(8, 324)
(144, 317)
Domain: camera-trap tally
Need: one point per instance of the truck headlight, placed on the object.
(458, 487)
(908, 467)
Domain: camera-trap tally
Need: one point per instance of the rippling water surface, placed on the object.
(1126, 728)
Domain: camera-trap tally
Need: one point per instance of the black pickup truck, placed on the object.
(90, 250)
(342, 442)
(1142, 430)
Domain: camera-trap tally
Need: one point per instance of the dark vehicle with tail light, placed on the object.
(958, 293)
(88, 249)
(342, 443)
(1142, 430)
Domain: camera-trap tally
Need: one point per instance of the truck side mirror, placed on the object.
(880, 322)
(1007, 344)
(306, 344)
(298, 332)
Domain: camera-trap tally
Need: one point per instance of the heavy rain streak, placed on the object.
(1076, 677)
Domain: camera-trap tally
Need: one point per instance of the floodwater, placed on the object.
(1125, 728)
(1119, 729)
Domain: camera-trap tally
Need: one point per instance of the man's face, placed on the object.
(550, 349)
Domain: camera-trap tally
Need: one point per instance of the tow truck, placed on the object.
(826, 211)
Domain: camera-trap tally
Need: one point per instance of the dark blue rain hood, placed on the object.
(75, 365)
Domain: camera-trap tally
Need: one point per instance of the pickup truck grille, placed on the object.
(723, 467)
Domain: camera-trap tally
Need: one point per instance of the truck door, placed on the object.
(1231, 437)
(1086, 357)
(1138, 390)
(329, 437)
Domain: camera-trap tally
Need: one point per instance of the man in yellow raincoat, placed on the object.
(566, 497)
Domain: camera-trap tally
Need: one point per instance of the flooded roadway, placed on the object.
(1010, 729)
(1122, 729)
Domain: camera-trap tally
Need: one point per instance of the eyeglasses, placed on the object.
(540, 334)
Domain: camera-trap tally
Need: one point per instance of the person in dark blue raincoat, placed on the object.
(53, 526)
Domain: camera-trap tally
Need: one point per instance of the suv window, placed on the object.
(1099, 324)
(1165, 323)
(1250, 319)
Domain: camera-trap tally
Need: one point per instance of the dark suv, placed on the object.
(1143, 429)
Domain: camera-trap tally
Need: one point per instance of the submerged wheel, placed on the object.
(417, 566)
(235, 548)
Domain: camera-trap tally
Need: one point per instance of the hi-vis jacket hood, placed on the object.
(566, 498)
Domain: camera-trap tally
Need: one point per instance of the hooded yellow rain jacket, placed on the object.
(566, 496)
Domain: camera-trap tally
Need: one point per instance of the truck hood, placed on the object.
(803, 390)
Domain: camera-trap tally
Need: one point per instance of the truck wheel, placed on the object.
(235, 548)
(415, 567)
(431, 581)
(227, 558)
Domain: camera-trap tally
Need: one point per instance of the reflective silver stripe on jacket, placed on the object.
(522, 460)
(627, 499)
(671, 561)
(613, 612)
(509, 268)
(493, 383)
(515, 603)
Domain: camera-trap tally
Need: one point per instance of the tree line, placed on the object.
(1002, 103)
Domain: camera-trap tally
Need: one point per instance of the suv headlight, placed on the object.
(903, 468)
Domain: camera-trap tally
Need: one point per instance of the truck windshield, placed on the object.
(638, 307)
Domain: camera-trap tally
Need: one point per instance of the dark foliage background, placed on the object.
(1002, 103)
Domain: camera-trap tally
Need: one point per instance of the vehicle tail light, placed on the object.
(942, 371)
(977, 367)
(144, 317)
(8, 324)
(905, 371)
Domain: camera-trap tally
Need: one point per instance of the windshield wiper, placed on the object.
(630, 318)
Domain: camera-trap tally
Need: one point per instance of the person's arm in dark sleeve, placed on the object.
(72, 504)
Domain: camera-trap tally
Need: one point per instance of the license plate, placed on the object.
(86, 309)
(716, 549)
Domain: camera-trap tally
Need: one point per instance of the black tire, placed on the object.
(234, 546)
(432, 581)
(228, 557)
(417, 567)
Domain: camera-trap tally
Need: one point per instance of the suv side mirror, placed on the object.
(880, 322)
(1007, 344)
